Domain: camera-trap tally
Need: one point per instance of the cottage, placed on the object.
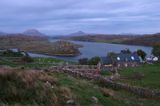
(12, 52)
(151, 59)
(15, 50)
(121, 60)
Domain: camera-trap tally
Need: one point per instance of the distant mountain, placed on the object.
(2, 33)
(33, 32)
(79, 33)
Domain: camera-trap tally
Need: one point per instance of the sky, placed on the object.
(55, 17)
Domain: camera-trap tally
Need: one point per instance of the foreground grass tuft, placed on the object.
(27, 88)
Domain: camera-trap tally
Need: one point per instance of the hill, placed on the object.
(33, 32)
(2, 33)
(79, 33)
(145, 40)
(100, 38)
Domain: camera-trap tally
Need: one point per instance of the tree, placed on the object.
(83, 61)
(156, 50)
(94, 60)
(111, 55)
(141, 53)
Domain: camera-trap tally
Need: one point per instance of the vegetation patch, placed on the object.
(149, 75)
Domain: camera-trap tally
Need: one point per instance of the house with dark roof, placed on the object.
(121, 60)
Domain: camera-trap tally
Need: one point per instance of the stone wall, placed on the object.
(145, 92)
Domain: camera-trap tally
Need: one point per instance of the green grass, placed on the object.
(38, 62)
(134, 100)
(84, 90)
(151, 75)
(105, 72)
(27, 87)
(7, 62)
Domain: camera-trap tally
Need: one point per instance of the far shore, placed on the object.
(59, 55)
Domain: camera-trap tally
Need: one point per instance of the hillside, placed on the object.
(33, 87)
(37, 87)
(100, 38)
(146, 40)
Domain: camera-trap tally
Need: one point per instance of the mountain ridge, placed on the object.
(33, 32)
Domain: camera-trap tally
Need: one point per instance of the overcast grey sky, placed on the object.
(92, 16)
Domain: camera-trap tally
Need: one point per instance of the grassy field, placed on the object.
(38, 62)
(150, 73)
(30, 87)
(21, 87)
(84, 90)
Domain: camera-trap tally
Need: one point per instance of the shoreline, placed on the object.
(113, 43)
(57, 55)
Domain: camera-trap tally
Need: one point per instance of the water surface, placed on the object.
(91, 49)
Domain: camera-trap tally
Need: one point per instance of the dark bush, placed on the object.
(94, 60)
(83, 61)
(27, 58)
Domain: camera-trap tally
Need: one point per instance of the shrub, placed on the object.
(83, 61)
(105, 72)
(94, 60)
(156, 50)
(27, 59)
(141, 53)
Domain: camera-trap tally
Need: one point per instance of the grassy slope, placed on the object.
(82, 90)
(85, 90)
(151, 75)
(37, 62)
(21, 87)
(27, 87)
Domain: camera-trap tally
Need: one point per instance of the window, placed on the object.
(132, 58)
(118, 58)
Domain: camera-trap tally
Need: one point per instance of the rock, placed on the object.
(47, 84)
(94, 99)
(107, 92)
(116, 76)
(71, 101)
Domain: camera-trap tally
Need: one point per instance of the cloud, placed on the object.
(93, 16)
